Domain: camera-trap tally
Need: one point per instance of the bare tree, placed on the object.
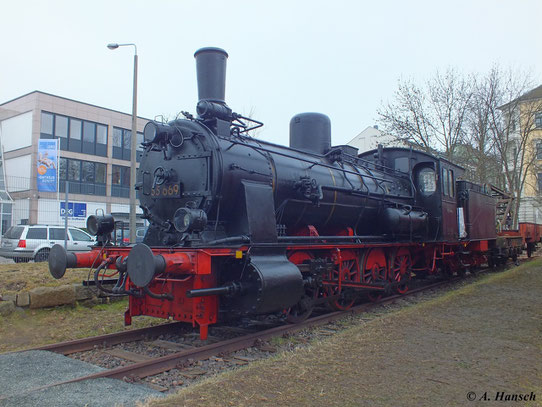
(484, 123)
(431, 117)
(511, 114)
(480, 157)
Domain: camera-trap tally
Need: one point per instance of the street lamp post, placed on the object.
(133, 147)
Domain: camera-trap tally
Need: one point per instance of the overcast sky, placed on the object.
(341, 58)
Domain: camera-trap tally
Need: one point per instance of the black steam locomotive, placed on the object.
(241, 225)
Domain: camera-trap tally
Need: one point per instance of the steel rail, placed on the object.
(80, 345)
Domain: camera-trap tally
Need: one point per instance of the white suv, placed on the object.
(23, 243)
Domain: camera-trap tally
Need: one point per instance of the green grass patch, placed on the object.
(31, 328)
(20, 277)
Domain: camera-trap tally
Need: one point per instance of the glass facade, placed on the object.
(83, 134)
(88, 176)
(88, 137)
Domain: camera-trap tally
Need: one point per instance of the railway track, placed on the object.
(153, 366)
(145, 366)
(81, 345)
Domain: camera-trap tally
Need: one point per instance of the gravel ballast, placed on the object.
(25, 375)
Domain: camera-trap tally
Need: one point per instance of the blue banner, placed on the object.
(75, 210)
(47, 167)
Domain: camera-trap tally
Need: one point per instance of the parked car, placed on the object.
(23, 243)
(122, 236)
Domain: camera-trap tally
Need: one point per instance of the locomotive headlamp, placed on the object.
(188, 220)
(155, 132)
(149, 132)
(100, 225)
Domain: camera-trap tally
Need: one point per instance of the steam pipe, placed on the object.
(232, 289)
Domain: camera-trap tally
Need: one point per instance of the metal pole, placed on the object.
(133, 161)
(133, 146)
(66, 216)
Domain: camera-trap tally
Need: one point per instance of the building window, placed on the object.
(120, 181)
(117, 137)
(140, 140)
(101, 140)
(539, 178)
(62, 165)
(538, 120)
(89, 132)
(538, 149)
(75, 129)
(87, 172)
(46, 124)
(61, 127)
(84, 177)
(80, 136)
(127, 140)
(101, 170)
(122, 144)
(74, 170)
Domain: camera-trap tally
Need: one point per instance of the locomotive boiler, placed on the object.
(239, 225)
(205, 179)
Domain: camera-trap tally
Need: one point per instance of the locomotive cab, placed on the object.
(434, 182)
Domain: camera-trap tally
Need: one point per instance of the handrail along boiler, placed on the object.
(243, 226)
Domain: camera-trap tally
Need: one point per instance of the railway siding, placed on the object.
(482, 339)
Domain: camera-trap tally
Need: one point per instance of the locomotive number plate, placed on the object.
(166, 191)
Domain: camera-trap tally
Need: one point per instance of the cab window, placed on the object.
(445, 181)
(427, 184)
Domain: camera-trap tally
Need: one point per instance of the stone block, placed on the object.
(83, 292)
(23, 299)
(6, 307)
(9, 297)
(43, 297)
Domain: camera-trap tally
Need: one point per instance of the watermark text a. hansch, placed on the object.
(501, 396)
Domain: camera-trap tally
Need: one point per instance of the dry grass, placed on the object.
(484, 337)
(26, 276)
(31, 328)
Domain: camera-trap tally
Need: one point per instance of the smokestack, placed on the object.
(211, 72)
